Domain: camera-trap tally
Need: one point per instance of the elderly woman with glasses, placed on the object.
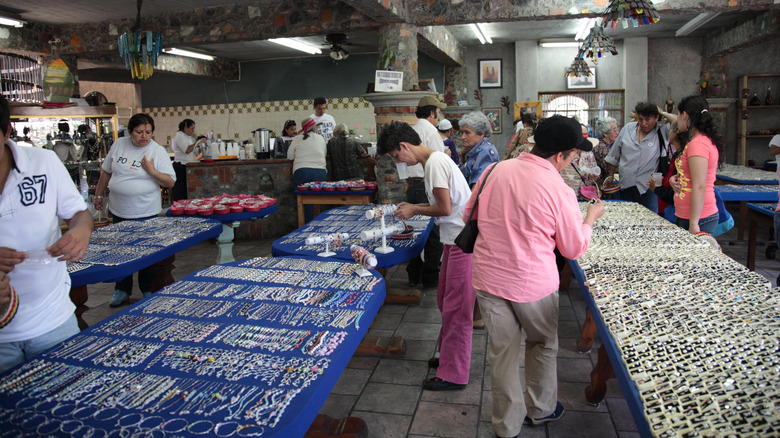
(283, 142)
(475, 129)
(606, 131)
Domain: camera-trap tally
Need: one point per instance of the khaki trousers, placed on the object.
(505, 321)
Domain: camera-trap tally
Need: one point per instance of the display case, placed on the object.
(756, 124)
(80, 135)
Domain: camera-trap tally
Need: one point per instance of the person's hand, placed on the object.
(10, 258)
(71, 246)
(651, 184)
(693, 227)
(5, 289)
(595, 210)
(98, 203)
(199, 156)
(674, 181)
(147, 164)
(405, 210)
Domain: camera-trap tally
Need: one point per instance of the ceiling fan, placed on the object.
(336, 41)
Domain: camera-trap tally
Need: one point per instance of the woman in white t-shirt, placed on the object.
(133, 171)
(307, 152)
(447, 192)
(183, 145)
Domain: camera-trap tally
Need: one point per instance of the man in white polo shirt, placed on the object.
(426, 272)
(36, 191)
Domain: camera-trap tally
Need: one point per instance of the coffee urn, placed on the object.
(263, 142)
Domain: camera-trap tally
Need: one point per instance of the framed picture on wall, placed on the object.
(489, 73)
(575, 83)
(494, 115)
(529, 106)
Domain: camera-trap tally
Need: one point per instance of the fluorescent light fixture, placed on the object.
(484, 31)
(187, 53)
(5, 21)
(297, 45)
(477, 33)
(558, 43)
(697, 22)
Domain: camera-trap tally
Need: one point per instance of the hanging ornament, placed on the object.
(578, 68)
(634, 12)
(140, 48)
(595, 44)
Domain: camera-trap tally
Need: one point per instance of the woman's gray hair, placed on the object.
(603, 125)
(341, 130)
(478, 122)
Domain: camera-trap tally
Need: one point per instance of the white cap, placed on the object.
(444, 125)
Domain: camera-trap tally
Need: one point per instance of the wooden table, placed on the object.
(758, 213)
(744, 194)
(317, 198)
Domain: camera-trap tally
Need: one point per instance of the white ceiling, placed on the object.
(85, 11)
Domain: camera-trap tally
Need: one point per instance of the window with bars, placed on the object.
(585, 106)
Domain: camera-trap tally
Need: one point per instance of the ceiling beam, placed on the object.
(438, 43)
(451, 12)
(217, 69)
(230, 23)
(761, 28)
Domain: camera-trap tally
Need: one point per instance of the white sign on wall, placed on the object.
(386, 80)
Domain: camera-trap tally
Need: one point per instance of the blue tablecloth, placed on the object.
(208, 355)
(234, 217)
(765, 208)
(334, 192)
(755, 192)
(150, 241)
(352, 220)
(747, 181)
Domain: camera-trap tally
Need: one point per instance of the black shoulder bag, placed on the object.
(468, 235)
(664, 162)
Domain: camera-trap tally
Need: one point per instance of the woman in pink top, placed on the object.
(694, 184)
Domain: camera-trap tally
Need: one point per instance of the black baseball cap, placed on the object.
(559, 134)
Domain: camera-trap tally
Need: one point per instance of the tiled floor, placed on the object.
(387, 393)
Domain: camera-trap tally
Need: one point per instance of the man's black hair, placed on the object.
(319, 101)
(423, 112)
(392, 135)
(647, 109)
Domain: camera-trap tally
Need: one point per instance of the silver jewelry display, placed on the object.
(697, 332)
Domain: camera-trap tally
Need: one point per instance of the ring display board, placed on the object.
(746, 175)
(250, 348)
(750, 192)
(118, 250)
(352, 220)
(691, 334)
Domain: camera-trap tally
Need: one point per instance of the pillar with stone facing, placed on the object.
(391, 107)
(402, 38)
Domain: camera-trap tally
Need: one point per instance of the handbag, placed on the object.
(468, 235)
(664, 161)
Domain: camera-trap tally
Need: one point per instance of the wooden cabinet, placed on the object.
(756, 124)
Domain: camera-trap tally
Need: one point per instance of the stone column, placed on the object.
(403, 40)
(455, 85)
(390, 107)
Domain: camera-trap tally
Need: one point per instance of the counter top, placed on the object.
(239, 162)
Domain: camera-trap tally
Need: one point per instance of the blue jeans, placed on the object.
(304, 175)
(14, 353)
(706, 224)
(649, 199)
